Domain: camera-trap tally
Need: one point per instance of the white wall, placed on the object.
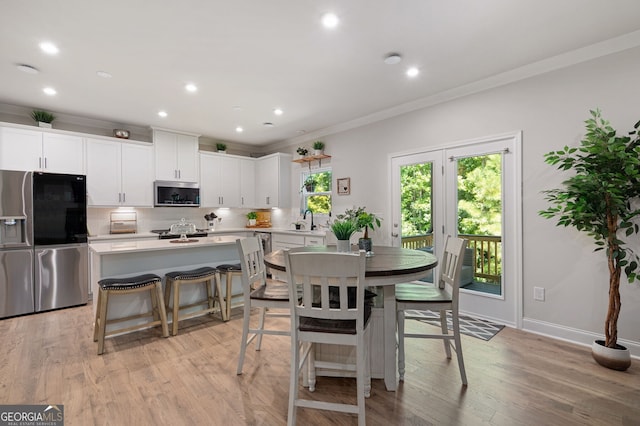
(550, 110)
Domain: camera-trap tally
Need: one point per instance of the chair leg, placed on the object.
(263, 312)
(104, 302)
(176, 307)
(360, 383)
(245, 335)
(96, 323)
(161, 310)
(458, 348)
(293, 381)
(218, 292)
(229, 278)
(367, 363)
(445, 330)
(210, 301)
(311, 366)
(401, 366)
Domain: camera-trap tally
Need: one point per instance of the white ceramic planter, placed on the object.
(616, 359)
(343, 246)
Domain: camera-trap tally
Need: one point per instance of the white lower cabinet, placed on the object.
(119, 174)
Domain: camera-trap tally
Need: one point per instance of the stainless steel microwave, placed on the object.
(176, 194)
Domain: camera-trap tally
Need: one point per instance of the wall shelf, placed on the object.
(310, 159)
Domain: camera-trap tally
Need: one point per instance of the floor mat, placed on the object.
(482, 329)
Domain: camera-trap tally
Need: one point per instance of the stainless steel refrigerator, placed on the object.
(43, 242)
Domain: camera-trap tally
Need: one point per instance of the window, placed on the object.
(316, 190)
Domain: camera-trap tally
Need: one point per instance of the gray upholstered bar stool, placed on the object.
(206, 276)
(230, 271)
(120, 286)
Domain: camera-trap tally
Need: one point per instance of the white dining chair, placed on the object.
(440, 298)
(259, 292)
(331, 310)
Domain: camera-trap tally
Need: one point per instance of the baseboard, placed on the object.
(573, 335)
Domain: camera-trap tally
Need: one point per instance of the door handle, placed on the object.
(124, 197)
(394, 235)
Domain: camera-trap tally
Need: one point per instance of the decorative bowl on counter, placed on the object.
(121, 133)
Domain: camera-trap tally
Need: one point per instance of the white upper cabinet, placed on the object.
(23, 149)
(176, 156)
(119, 173)
(247, 182)
(273, 176)
(219, 180)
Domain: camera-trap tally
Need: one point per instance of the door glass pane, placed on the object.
(479, 214)
(416, 208)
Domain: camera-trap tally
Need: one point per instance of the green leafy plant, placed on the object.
(42, 116)
(343, 229)
(598, 200)
(252, 215)
(302, 151)
(363, 219)
(310, 183)
(319, 145)
(221, 147)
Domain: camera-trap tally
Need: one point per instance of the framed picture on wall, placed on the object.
(344, 186)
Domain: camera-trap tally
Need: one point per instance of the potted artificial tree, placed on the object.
(43, 118)
(364, 221)
(600, 200)
(343, 229)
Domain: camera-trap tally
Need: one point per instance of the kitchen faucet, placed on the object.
(304, 216)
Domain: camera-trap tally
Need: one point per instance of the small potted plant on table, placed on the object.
(364, 221)
(343, 229)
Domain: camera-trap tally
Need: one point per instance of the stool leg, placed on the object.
(104, 302)
(160, 308)
(228, 295)
(218, 294)
(96, 323)
(176, 307)
(167, 293)
(210, 301)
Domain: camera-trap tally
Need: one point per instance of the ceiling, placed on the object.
(249, 57)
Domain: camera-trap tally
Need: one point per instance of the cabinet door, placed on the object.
(209, 180)
(164, 144)
(267, 182)
(103, 173)
(230, 181)
(187, 158)
(137, 175)
(20, 149)
(247, 183)
(63, 153)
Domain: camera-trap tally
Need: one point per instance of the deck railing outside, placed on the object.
(487, 249)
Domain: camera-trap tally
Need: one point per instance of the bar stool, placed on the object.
(128, 285)
(204, 275)
(230, 271)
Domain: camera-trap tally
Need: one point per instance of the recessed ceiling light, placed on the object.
(239, 129)
(413, 71)
(103, 74)
(191, 88)
(49, 91)
(27, 68)
(301, 132)
(162, 114)
(392, 59)
(330, 20)
(278, 111)
(49, 48)
(267, 124)
(237, 108)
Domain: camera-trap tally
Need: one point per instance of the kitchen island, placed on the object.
(122, 259)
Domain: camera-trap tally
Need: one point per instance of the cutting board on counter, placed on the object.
(262, 221)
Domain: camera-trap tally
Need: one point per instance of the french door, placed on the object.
(470, 190)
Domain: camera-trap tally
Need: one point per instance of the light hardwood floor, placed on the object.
(517, 378)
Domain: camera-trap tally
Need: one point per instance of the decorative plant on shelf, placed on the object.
(42, 116)
(221, 147)
(343, 229)
(310, 183)
(600, 199)
(302, 151)
(364, 221)
(318, 146)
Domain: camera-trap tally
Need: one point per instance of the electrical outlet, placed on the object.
(538, 293)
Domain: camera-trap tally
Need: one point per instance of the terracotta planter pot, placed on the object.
(618, 358)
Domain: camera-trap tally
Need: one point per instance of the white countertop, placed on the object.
(154, 245)
(151, 235)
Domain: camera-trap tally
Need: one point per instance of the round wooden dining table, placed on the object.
(385, 268)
